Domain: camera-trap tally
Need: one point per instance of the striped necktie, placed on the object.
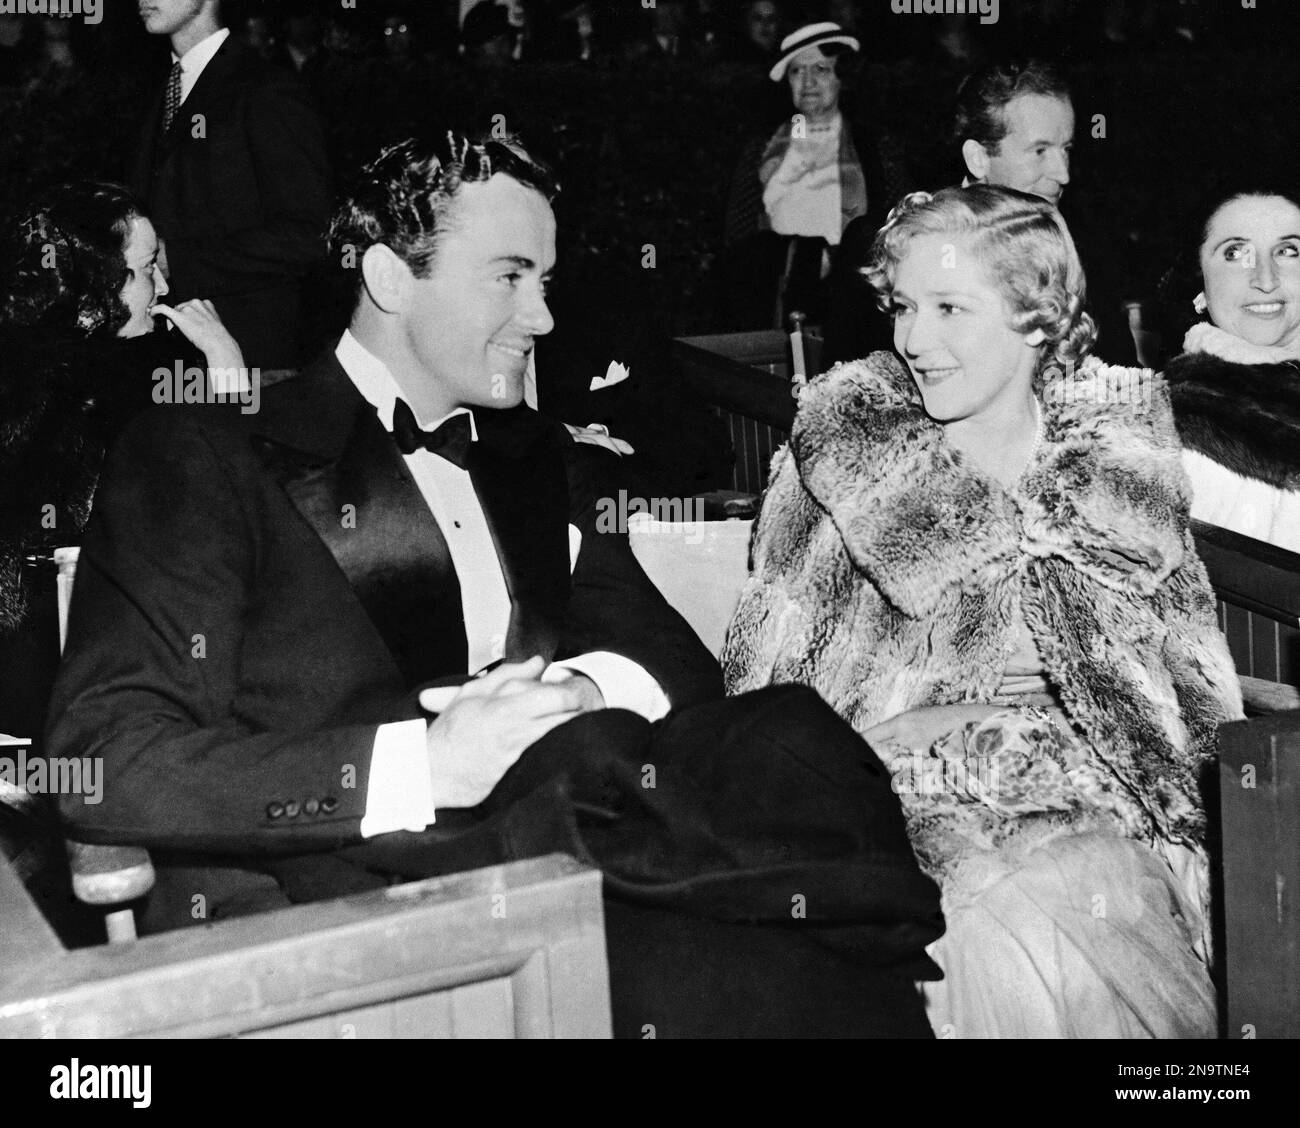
(173, 102)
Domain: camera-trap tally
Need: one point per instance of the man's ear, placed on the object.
(976, 158)
(387, 278)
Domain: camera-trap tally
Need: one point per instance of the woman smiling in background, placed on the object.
(1236, 386)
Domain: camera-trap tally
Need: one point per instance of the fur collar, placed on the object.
(1243, 414)
(1106, 490)
(1204, 337)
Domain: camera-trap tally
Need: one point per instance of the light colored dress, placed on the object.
(1057, 925)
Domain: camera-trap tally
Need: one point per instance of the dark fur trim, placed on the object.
(1244, 416)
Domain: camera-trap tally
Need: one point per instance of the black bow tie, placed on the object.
(450, 439)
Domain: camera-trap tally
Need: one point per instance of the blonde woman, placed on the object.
(982, 560)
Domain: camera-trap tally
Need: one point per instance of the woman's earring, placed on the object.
(1199, 303)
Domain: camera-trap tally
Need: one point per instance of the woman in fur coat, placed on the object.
(1236, 386)
(80, 286)
(984, 563)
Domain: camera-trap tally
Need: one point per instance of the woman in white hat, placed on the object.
(796, 189)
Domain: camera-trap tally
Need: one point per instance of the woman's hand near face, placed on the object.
(198, 320)
(918, 729)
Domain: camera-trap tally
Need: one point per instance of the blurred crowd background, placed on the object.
(644, 112)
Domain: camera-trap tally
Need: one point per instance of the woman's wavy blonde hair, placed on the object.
(1022, 242)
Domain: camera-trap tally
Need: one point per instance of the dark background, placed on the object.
(645, 146)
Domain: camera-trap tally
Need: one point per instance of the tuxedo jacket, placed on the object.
(244, 206)
(256, 593)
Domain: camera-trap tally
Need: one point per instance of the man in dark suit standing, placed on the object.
(264, 603)
(233, 171)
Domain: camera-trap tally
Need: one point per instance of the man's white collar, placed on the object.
(200, 55)
(378, 386)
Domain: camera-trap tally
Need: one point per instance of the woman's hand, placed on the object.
(199, 321)
(918, 729)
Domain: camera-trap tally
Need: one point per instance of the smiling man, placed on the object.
(264, 604)
(1015, 126)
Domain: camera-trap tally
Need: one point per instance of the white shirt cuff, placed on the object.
(399, 795)
(623, 683)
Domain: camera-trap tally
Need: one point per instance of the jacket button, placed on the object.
(274, 810)
(311, 807)
(329, 805)
(291, 808)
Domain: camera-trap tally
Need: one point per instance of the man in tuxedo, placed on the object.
(232, 169)
(265, 603)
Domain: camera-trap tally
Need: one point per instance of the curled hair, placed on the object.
(65, 261)
(404, 198)
(983, 96)
(1023, 244)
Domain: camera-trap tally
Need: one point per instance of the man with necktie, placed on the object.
(377, 633)
(232, 168)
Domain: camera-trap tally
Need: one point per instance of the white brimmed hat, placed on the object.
(810, 35)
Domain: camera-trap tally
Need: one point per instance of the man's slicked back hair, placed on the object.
(983, 96)
(405, 198)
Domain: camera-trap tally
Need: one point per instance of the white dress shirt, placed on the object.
(400, 792)
(196, 58)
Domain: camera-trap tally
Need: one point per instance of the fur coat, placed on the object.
(1239, 405)
(886, 572)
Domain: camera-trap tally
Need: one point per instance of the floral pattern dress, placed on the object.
(1059, 891)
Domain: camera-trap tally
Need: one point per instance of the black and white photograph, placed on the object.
(651, 520)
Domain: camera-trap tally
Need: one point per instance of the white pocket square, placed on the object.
(614, 374)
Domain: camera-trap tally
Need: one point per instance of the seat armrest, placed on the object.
(109, 875)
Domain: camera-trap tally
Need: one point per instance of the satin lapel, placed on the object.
(368, 512)
(519, 477)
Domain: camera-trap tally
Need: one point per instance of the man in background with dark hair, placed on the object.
(233, 171)
(1013, 125)
(379, 632)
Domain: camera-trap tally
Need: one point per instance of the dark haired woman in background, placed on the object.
(796, 190)
(1236, 385)
(80, 285)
